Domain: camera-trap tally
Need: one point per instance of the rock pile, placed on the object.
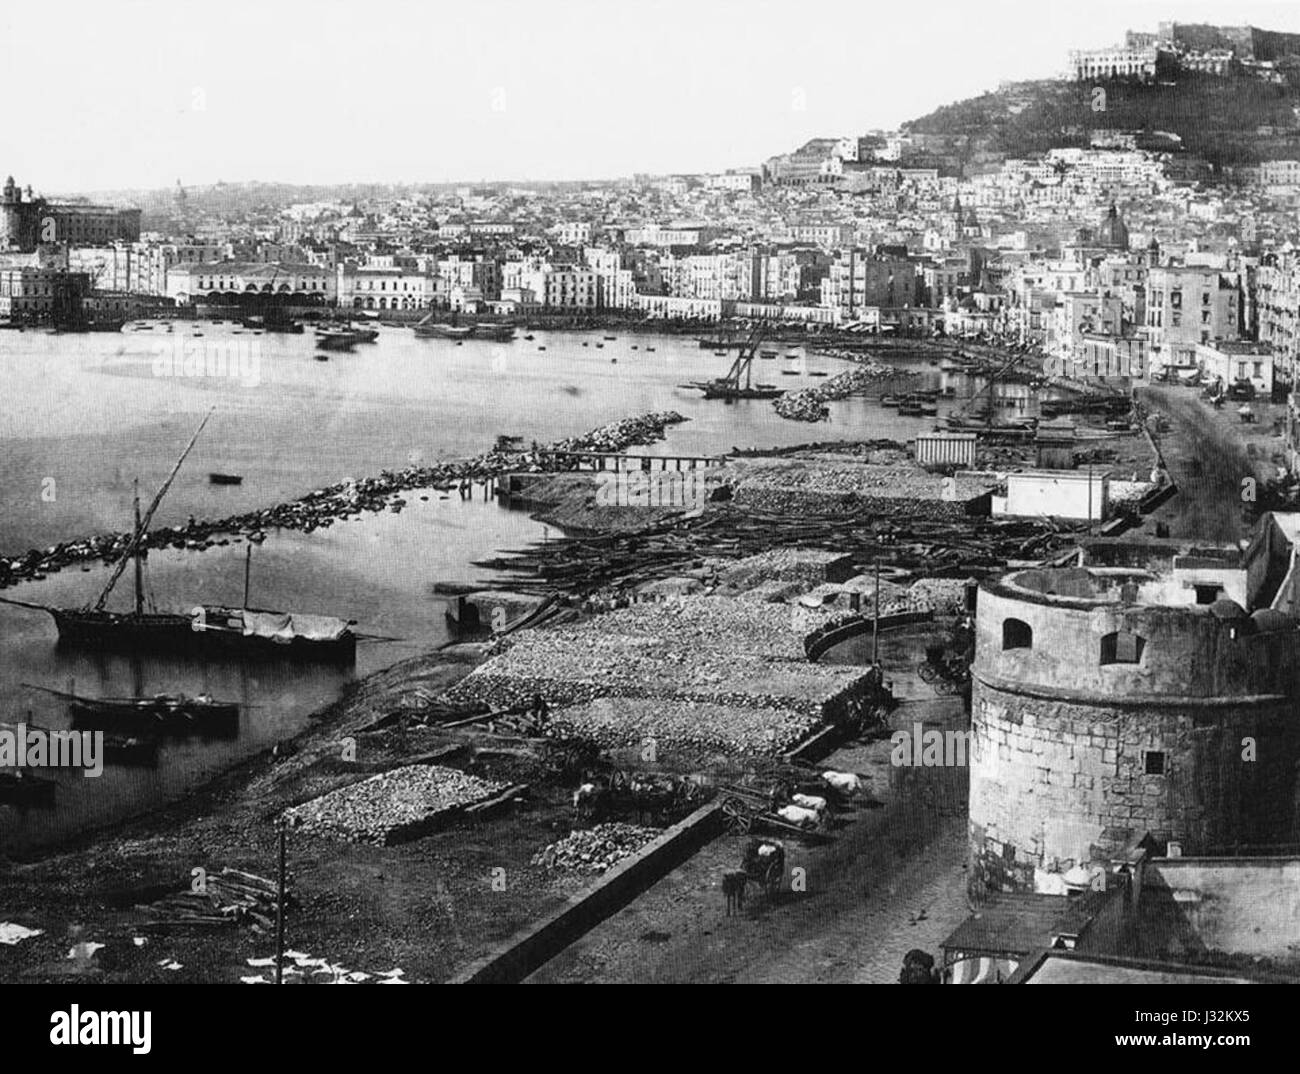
(594, 850)
(693, 652)
(809, 404)
(323, 507)
(391, 806)
(695, 727)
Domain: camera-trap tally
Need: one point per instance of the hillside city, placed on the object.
(536, 672)
(1121, 249)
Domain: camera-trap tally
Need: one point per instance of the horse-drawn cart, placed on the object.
(747, 808)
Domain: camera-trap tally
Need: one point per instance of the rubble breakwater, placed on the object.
(809, 404)
(346, 499)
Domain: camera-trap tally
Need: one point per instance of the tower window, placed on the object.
(1122, 647)
(1207, 594)
(1017, 634)
(1153, 762)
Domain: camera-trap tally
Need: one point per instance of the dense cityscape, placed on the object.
(967, 654)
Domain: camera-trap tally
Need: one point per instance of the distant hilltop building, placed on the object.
(1217, 50)
(26, 222)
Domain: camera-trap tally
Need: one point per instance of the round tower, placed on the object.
(1107, 706)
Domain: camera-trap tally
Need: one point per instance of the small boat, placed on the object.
(719, 354)
(348, 334)
(611, 337)
(321, 357)
(890, 400)
(613, 359)
(225, 479)
(442, 331)
(650, 349)
(792, 357)
(909, 410)
(929, 409)
(818, 373)
(789, 372)
(599, 346)
(529, 338)
(767, 354)
(541, 348)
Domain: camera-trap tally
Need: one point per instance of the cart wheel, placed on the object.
(946, 687)
(736, 816)
(927, 671)
(772, 881)
(618, 780)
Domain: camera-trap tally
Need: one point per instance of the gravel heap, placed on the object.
(707, 650)
(594, 850)
(694, 726)
(391, 806)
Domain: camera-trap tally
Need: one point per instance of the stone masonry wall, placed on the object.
(1056, 783)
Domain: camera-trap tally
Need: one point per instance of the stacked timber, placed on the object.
(228, 898)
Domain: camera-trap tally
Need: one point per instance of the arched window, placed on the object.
(1017, 634)
(1122, 647)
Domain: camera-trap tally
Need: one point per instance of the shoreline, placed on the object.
(321, 508)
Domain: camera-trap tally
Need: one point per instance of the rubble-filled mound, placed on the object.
(809, 404)
(594, 850)
(704, 650)
(392, 806)
(691, 726)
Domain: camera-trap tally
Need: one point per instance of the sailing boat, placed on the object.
(208, 628)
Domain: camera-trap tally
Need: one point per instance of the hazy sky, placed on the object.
(137, 94)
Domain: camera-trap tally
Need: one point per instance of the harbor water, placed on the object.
(81, 417)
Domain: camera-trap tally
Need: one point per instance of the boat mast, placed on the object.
(248, 566)
(139, 562)
(134, 547)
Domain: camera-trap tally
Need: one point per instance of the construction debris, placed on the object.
(595, 849)
(392, 806)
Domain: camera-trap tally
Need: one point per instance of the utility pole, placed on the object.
(875, 632)
(279, 914)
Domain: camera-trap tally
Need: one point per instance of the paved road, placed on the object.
(1207, 461)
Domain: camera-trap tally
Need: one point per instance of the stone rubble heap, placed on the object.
(809, 404)
(710, 651)
(693, 726)
(385, 808)
(594, 850)
(322, 508)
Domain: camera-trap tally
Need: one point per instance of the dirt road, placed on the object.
(893, 879)
(1207, 460)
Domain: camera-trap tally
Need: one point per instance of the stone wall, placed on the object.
(1057, 784)
(1072, 757)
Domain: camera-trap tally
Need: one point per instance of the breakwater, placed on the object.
(346, 499)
